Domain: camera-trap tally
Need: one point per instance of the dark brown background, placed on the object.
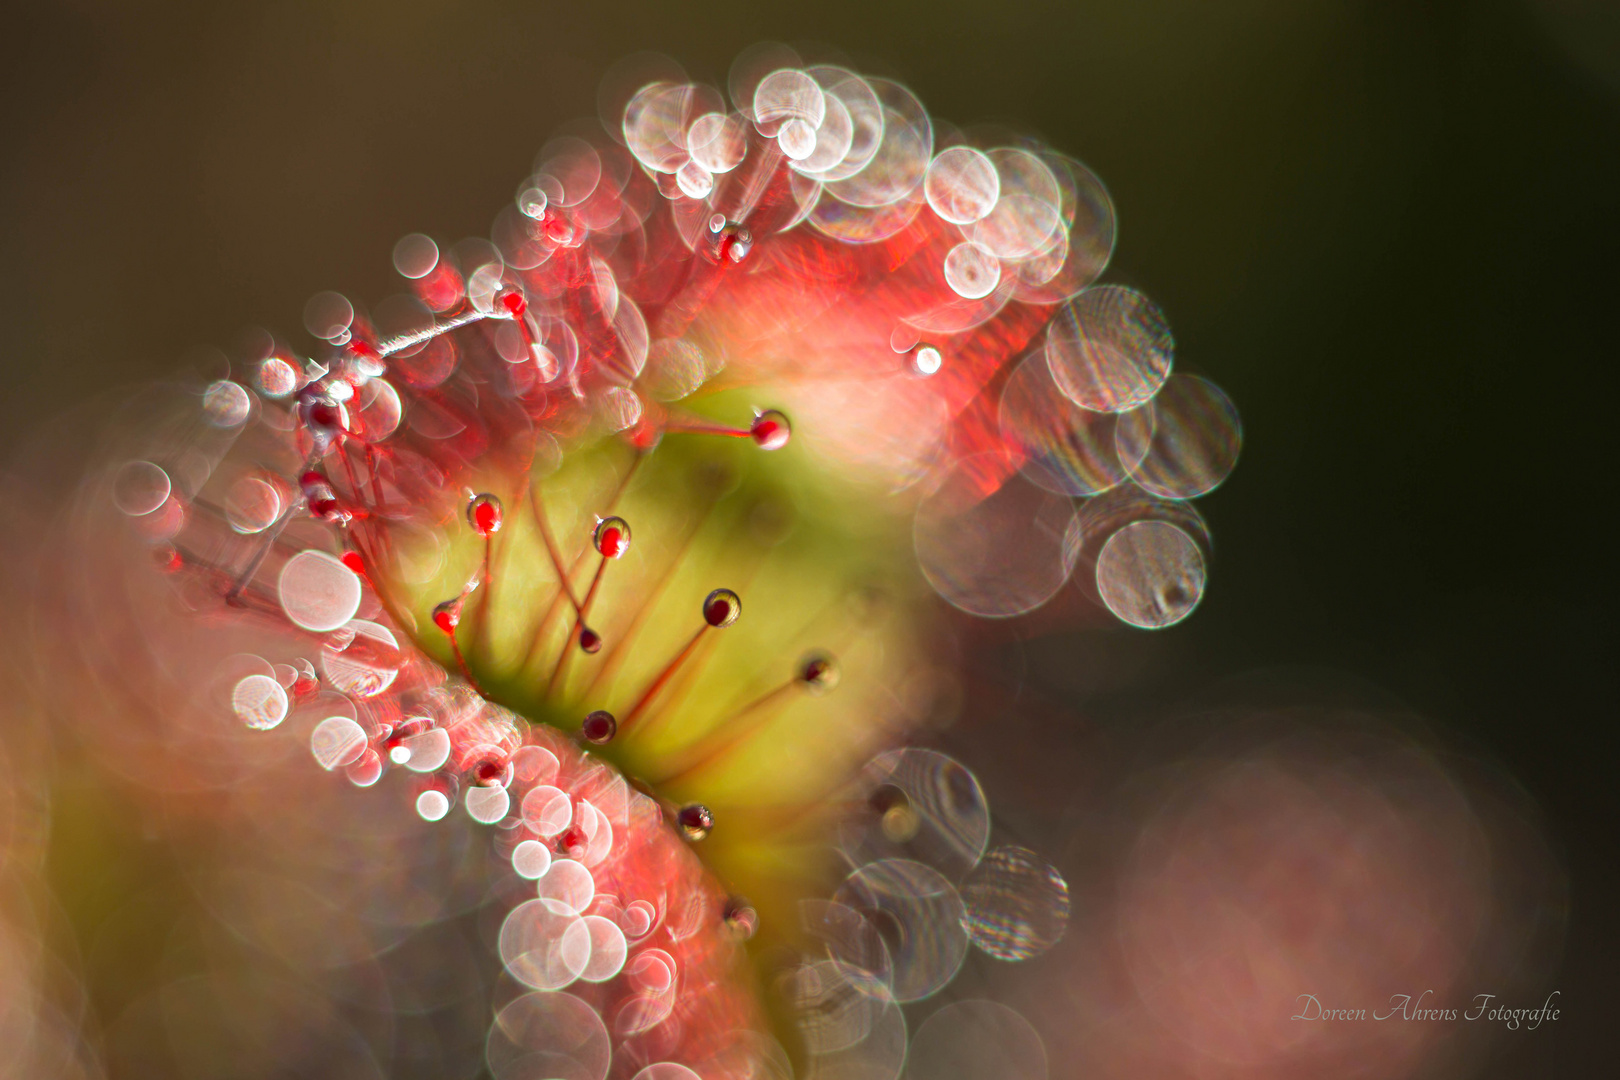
(1389, 230)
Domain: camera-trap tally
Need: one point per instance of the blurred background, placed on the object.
(1388, 230)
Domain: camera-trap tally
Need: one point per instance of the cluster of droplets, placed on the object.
(925, 889)
(801, 237)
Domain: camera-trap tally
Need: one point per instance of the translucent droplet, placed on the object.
(972, 271)
(818, 673)
(717, 142)
(1027, 217)
(365, 661)
(547, 811)
(928, 942)
(487, 805)
(898, 164)
(259, 701)
(797, 139)
(328, 315)
(608, 949)
(545, 945)
(786, 95)
(961, 185)
(429, 750)
(432, 804)
(487, 765)
(317, 592)
(740, 918)
(1151, 574)
(926, 360)
(921, 805)
(1192, 444)
(485, 514)
(830, 143)
(639, 917)
(1067, 448)
(447, 616)
(140, 488)
(365, 770)
(721, 608)
(531, 859)
(589, 641)
(694, 180)
(998, 553)
(655, 126)
(253, 505)
(770, 430)
(599, 727)
(226, 404)
(337, 741)
(415, 256)
(1109, 349)
(733, 242)
(568, 883)
(1017, 904)
(277, 378)
(695, 820)
(612, 537)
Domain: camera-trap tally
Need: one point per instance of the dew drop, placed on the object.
(448, 614)
(428, 750)
(488, 766)
(925, 360)
(612, 537)
(317, 592)
(1151, 574)
(694, 180)
(569, 883)
(599, 727)
(140, 488)
(532, 202)
(547, 810)
(512, 301)
(432, 805)
(972, 271)
(328, 315)
(487, 805)
(337, 741)
(531, 859)
(962, 185)
(721, 608)
(590, 642)
(415, 256)
(226, 404)
(797, 139)
(259, 701)
(252, 505)
(741, 920)
(277, 378)
(639, 917)
(323, 415)
(770, 430)
(608, 949)
(1017, 904)
(818, 673)
(695, 821)
(733, 242)
(366, 770)
(485, 514)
